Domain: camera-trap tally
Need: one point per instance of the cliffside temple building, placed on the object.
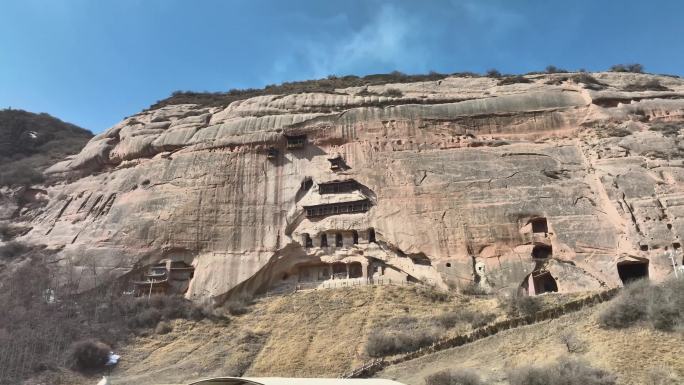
(554, 183)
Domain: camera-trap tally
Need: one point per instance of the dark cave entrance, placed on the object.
(539, 282)
(542, 251)
(632, 270)
(539, 225)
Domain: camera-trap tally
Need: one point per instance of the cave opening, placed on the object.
(542, 251)
(324, 240)
(355, 237)
(539, 225)
(371, 235)
(539, 282)
(632, 270)
(338, 240)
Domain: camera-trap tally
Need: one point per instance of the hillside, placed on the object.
(30, 143)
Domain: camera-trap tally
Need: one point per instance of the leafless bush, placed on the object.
(649, 85)
(551, 69)
(42, 320)
(454, 377)
(573, 343)
(567, 372)
(90, 354)
(635, 68)
(513, 80)
(493, 73)
(516, 303)
(473, 288)
(393, 92)
(667, 129)
(163, 328)
(661, 305)
(474, 318)
(239, 305)
(384, 342)
(432, 293)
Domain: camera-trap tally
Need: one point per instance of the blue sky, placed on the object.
(93, 62)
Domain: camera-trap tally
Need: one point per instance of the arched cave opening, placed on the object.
(632, 270)
(355, 270)
(308, 242)
(539, 282)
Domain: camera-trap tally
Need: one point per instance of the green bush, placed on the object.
(566, 372)
(454, 377)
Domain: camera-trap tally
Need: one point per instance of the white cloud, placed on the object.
(385, 41)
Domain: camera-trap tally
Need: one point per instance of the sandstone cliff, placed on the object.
(454, 182)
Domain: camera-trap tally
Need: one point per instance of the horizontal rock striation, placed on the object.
(467, 183)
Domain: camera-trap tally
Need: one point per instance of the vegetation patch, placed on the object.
(513, 80)
(384, 342)
(649, 85)
(454, 377)
(567, 371)
(661, 306)
(328, 85)
(517, 304)
(90, 354)
(30, 142)
(667, 128)
(633, 67)
(64, 327)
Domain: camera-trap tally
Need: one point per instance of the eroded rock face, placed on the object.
(458, 176)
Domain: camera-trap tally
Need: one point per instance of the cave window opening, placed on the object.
(355, 270)
(539, 225)
(542, 252)
(272, 153)
(448, 264)
(632, 270)
(294, 142)
(324, 240)
(371, 235)
(308, 242)
(643, 247)
(338, 240)
(676, 245)
(355, 237)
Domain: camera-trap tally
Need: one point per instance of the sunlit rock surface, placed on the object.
(455, 171)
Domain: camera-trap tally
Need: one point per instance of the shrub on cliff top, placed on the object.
(634, 67)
